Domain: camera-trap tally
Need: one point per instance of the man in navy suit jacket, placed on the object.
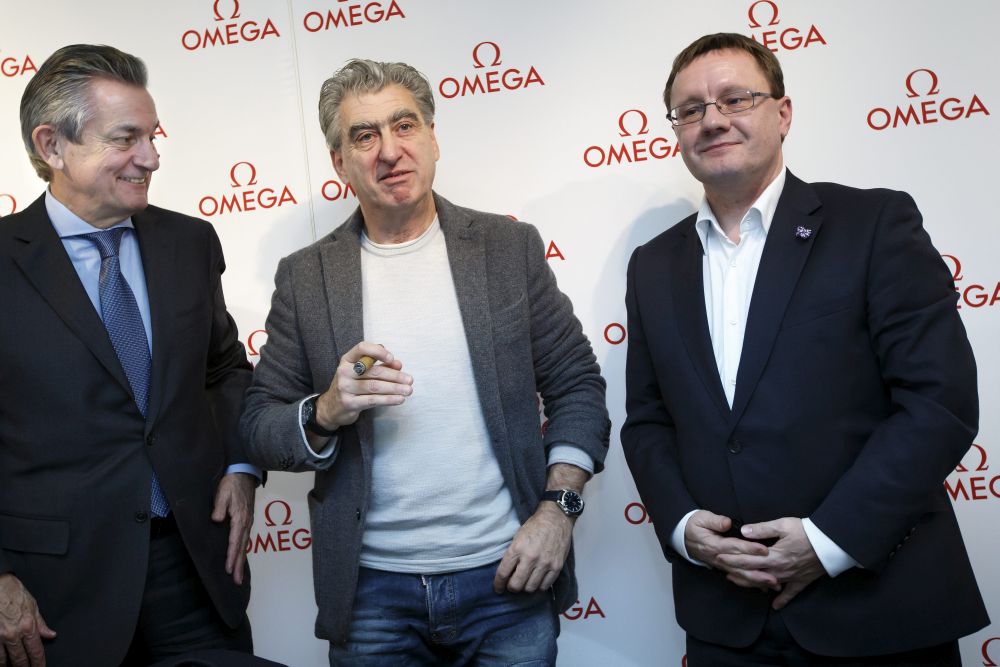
(799, 384)
(94, 570)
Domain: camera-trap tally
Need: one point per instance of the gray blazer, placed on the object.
(523, 338)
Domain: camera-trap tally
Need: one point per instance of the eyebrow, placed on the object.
(132, 129)
(692, 100)
(402, 114)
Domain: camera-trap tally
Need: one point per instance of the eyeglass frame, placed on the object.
(704, 106)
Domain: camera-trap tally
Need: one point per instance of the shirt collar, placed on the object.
(763, 208)
(67, 223)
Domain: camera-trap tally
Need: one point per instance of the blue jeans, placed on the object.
(447, 619)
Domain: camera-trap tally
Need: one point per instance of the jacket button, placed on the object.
(357, 514)
(141, 517)
(735, 446)
(151, 439)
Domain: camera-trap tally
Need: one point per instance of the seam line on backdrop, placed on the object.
(302, 120)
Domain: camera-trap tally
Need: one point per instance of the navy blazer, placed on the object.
(76, 455)
(855, 397)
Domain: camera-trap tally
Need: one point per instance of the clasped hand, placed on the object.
(788, 566)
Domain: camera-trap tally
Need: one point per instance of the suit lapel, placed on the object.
(158, 250)
(340, 258)
(44, 262)
(467, 258)
(687, 281)
(781, 265)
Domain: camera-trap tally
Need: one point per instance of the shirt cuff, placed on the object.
(331, 444)
(246, 468)
(677, 540)
(571, 455)
(834, 559)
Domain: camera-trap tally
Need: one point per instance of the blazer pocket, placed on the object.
(40, 535)
(814, 311)
(510, 316)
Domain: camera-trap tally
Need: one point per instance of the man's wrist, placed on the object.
(568, 501)
(311, 419)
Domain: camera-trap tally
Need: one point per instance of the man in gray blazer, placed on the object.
(442, 515)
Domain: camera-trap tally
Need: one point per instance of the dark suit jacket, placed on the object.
(855, 397)
(76, 455)
(523, 338)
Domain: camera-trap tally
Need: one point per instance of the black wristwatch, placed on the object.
(568, 500)
(308, 418)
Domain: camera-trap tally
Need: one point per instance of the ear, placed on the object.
(338, 165)
(785, 113)
(49, 146)
(437, 151)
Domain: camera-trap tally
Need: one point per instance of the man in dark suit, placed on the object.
(799, 384)
(441, 514)
(125, 498)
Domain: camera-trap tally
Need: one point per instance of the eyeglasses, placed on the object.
(729, 103)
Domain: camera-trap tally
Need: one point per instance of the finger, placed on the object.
(764, 530)
(713, 522)
(35, 650)
(756, 577)
(709, 549)
(535, 579)
(367, 349)
(368, 386)
(504, 570)
(43, 628)
(549, 580)
(743, 562)
(16, 653)
(734, 545)
(390, 373)
(237, 543)
(355, 404)
(791, 589)
(753, 579)
(238, 568)
(221, 506)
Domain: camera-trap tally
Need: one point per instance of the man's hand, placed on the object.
(22, 627)
(349, 394)
(234, 499)
(538, 551)
(791, 560)
(705, 542)
(536, 555)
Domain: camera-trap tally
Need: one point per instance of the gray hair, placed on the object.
(59, 93)
(361, 76)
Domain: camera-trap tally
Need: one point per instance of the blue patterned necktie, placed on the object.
(123, 321)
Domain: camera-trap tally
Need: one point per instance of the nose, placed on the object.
(388, 150)
(146, 155)
(714, 119)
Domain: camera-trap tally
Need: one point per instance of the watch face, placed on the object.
(308, 407)
(572, 502)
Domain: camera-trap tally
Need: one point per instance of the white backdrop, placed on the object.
(550, 112)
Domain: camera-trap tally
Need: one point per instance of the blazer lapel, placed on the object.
(47, 267)
(467, 258)
(158, 250)
(781, 265)
(687, 286)
(340, 258)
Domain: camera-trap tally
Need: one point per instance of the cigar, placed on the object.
(363, 365)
